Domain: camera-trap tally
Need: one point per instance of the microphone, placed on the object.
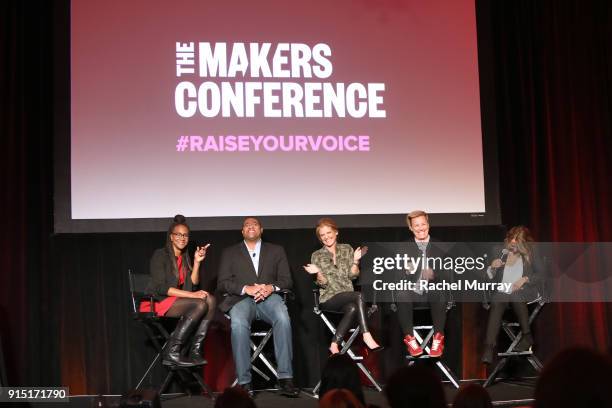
(492, 271)
(254, 254)
(504, 255)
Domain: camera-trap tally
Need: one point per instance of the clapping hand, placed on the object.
(312, 269)
(359, 252)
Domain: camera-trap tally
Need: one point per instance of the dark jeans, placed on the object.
(273, 311)
(352, 306)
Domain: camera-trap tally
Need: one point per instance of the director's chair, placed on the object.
(512, 329)
(423, 335)
(345, 344)
(159, 336)
(262, 331)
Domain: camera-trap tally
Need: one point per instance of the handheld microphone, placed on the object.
(504, 255)
(492, 271)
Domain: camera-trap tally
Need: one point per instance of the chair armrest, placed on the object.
(315, 295)
(149, 298)
(286, 293)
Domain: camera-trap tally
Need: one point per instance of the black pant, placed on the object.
(499, 302)
(405, 315)
(351, 304)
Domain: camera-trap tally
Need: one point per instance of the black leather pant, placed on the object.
(351, 304)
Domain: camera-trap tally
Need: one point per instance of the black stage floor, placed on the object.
(505, 393)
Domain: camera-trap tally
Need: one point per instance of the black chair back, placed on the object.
(139, 288)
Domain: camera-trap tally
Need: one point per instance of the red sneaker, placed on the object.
(437, 345)
(413, 346)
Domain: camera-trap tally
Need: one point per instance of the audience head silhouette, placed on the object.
(340, 398)
(576, 377)
(415, 386)
(341, 372)
(472, 396)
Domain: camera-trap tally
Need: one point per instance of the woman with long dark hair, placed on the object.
(335, 266)
(522, 269)
(174, 284)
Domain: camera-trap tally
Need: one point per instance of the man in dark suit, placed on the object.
(249, 274)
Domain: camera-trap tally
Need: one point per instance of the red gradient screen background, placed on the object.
(426, 153)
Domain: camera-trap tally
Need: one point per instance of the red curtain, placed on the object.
(554, 120)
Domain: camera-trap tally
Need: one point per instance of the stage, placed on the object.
(507, 393)
(496, 114)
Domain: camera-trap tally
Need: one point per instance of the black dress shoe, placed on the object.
(248, 388)
(287, 388)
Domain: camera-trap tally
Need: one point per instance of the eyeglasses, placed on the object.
(178, 235)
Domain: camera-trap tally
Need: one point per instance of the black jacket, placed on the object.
(236, 271)
(534, 270)
(164, 273)
(434, 250)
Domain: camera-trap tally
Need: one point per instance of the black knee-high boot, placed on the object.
(172, 351)
(195, 352)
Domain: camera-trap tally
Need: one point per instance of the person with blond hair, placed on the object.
(421, 246)
(335, 265)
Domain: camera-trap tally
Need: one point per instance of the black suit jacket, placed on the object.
(236, 271)
(433, 251)
(165, 275)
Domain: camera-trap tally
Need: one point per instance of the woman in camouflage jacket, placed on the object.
(335, 266)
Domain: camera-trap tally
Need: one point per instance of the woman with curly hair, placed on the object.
(522, 268)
